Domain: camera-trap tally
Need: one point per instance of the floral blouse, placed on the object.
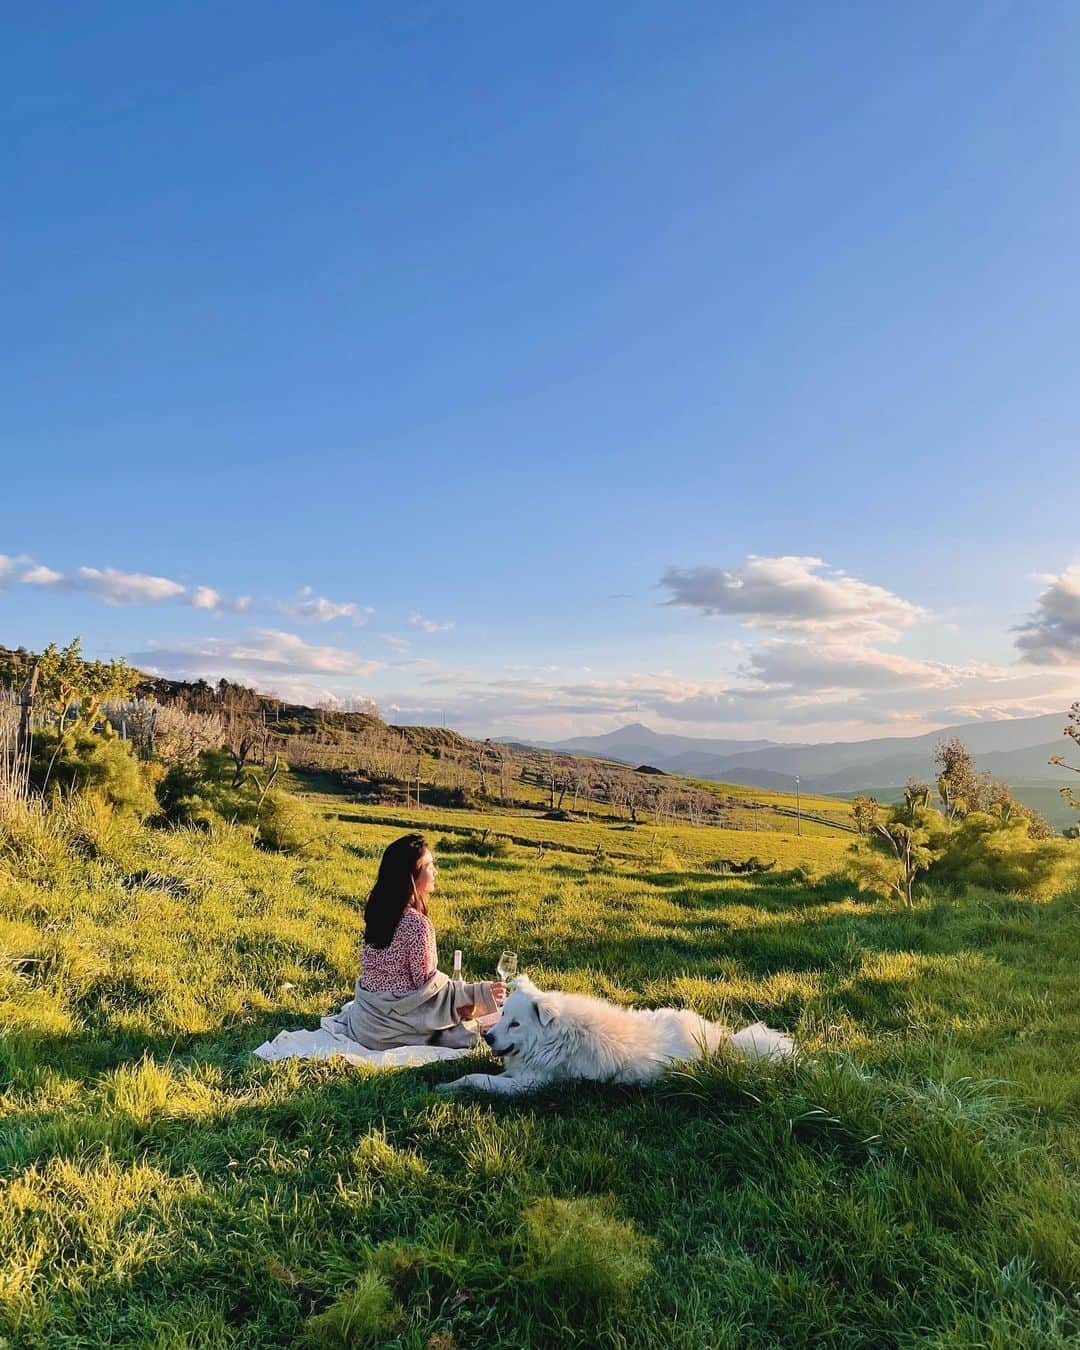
(410, 960)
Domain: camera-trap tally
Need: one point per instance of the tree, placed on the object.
(68, 684)
(896, 850)
(245, 732)
(916, 795)
(482, 748)
(865, 812)
(1073, 732)
(957, 784)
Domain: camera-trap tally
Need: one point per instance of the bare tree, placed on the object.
(482, 748)
(245, 732)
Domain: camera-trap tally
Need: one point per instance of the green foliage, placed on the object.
(285, 824)
(66, 682)
(205, 794)
(984, 850)
(865, 813)
(583, 1250)
(898, 848)
(957, 783)
(473, 846)
(79, 760)
(1002, 850)
(201, 793)
(1072, 730)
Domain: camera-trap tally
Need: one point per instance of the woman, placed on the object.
(402, 998)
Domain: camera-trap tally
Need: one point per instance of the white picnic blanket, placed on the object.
(327, 1040)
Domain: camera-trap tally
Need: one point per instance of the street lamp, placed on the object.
(798, 808)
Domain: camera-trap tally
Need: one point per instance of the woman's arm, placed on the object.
(422, 954)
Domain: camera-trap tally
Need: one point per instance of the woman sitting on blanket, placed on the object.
(402, 998)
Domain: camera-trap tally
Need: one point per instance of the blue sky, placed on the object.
(709, 366)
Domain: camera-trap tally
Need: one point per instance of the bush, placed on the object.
(459, 798)
(983, 851)
(997, 851)
(202, 794)
(84, 761)
(286, 825)
(474, 845)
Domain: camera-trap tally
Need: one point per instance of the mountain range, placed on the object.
(1016, 750)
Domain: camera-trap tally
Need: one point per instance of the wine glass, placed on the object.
(507, 967)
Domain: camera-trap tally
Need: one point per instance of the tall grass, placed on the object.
(14, 759)
(913, 1181)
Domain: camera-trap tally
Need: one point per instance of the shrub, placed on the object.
(984, 851)
(202, 793)
(84, 761)
(460, 798)
(474, 845)
(286, 825)
(205, 795)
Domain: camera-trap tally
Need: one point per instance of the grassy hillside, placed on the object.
(914, 1181)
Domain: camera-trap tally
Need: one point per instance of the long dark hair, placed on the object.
(394, 890)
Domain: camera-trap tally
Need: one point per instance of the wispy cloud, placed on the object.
(260, 653)
(429, 625)
(842, 665)
(110, 584)
(116, 587)
(312, 608)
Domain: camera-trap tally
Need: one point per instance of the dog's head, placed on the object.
(525, 1023)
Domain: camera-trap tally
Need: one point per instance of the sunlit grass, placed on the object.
(913, 1181)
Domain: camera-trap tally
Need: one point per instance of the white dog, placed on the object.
(547, 1038)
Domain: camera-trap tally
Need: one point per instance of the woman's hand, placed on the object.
(498, 991)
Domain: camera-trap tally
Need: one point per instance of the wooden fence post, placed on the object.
(26, 713)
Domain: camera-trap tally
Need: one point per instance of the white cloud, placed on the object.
(125, 588)
(1051, 636)
(312, 608)
(10, 569)
(837, 665)
(398, 643)
(265, 653)
(429, 625)
(793, 593)
(40, 575)
(118, 588)
(205, 597)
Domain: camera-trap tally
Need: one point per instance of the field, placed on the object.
(912, 1182)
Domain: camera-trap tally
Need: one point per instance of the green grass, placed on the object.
(913, 1183)
(683, 845)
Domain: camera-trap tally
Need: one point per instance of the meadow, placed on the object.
(912, 1181)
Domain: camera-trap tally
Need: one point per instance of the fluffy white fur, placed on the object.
(552, 1037)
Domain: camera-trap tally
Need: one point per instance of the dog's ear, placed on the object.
(545, 1013)
(524, 985)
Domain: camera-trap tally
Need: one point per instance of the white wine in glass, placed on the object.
(507, 966)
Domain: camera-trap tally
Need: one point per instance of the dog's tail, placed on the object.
(762, 1042)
